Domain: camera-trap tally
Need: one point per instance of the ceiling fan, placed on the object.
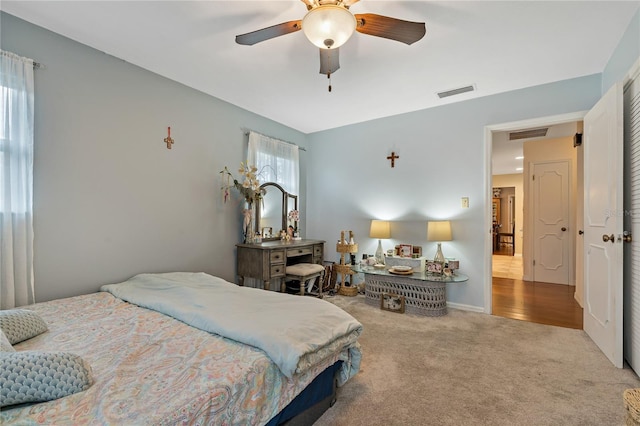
(328, 24)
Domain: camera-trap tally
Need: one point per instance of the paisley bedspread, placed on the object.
(295, 332)
(152, 369)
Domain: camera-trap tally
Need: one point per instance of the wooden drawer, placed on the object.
(317, 250)
(299, 251)
(276, 256)
(278, 270)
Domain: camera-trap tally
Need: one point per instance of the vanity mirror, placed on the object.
(272, 212)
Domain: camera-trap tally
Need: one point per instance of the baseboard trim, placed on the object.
(463, 307)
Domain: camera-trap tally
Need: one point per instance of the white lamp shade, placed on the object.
(328, 26)
(439, 230)
(380, 229)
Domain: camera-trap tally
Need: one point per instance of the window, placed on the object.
(277, 161)
(16, 180)
(14, 156)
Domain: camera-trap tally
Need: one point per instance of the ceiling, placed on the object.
(495, 46)
(507, 153)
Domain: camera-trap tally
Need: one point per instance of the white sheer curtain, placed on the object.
(16, 180)
(277, 161)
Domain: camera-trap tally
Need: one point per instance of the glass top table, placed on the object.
(420, 293)
(423, 276)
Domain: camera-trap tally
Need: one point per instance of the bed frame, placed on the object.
(312, 402)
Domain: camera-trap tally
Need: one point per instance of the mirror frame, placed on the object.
(284, 201)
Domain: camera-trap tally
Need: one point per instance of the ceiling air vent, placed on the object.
(457, 91)
(526, 134)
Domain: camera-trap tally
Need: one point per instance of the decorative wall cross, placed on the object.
(168, 139)
(393, 157)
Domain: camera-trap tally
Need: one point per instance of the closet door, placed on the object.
(632, 224)
(603, 224)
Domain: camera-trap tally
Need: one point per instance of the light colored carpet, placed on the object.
(469, 368)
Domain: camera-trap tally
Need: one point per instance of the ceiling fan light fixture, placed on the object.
(328, 26)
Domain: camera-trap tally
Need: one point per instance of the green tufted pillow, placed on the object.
(21, 324)
(5, 345)
(33, 376)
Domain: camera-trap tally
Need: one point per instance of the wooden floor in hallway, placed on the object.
(543, 303)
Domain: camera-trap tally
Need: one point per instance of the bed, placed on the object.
(149, 366)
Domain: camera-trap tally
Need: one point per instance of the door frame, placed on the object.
(488, 148)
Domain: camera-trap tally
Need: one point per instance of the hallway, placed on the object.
(543, 303)
(506, 266)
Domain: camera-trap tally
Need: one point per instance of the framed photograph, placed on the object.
(406, 250)
(417, 251)
(434, 267)
(392, 302)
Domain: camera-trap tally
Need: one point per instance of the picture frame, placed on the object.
(453, 264)
(392, 302)
(434, 268)
(267, 232)
(416, 251)
(406, 250)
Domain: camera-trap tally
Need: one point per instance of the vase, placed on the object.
(439, 257)
(247, 224)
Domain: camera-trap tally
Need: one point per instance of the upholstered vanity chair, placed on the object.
(305, 273)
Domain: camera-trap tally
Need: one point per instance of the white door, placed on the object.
(603, 224)
(578, 229)
(632, 223)
(551, 243)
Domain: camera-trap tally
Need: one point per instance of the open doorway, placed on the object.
(514, 290)
(507, 237)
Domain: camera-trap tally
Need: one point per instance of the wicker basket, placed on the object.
(421, 297)
(347, 248)
(348, 291)
(632, 405)
(344, 269)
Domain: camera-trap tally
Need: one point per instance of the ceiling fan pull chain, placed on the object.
(329, 77)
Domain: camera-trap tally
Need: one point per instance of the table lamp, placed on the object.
(439, 231)
(380, 229)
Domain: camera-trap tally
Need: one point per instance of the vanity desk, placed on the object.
(268, 260)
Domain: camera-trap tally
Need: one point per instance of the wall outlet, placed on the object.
(465, 202)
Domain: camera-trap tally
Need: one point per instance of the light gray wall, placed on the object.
(110, 200)
(441, 160)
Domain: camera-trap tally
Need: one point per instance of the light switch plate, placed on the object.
(465, 202)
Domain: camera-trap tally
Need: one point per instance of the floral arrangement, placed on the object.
(294, 215)
(249, 188)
